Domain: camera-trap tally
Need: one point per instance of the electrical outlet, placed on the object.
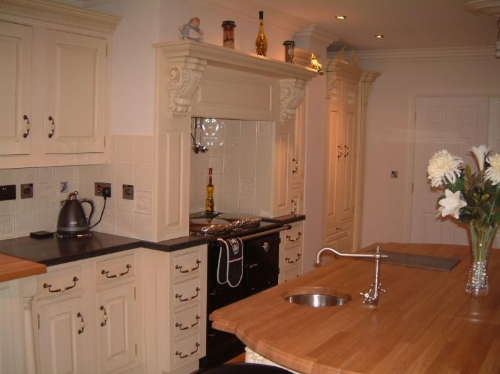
(128, 192)
(27, 191)
(99, 187)
(8, 192)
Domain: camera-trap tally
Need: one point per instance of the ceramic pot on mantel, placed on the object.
(481, 242)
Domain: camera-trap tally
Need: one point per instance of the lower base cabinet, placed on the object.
(11, 328)
(85, 315)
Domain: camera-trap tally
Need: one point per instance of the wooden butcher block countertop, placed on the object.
(15, 268)
(424, 323)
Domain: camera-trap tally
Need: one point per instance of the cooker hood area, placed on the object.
(248, 104)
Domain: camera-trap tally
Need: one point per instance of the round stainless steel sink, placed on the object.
(316, 297)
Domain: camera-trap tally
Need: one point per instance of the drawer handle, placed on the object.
(104, 316)
(106, 273)
(295, 166)
(177, 296)
(340, 150)
(179, 267)
(64, 289)
(182, 328)
(82, 323)
(28, 126)
(290, 261)
(290, 239)
(181, 355)
(52, 127)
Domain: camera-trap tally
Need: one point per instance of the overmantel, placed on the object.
(186, 64)
(235, 60)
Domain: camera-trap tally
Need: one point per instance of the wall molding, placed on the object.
(480, 52)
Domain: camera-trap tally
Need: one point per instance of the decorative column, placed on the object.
(365, 86)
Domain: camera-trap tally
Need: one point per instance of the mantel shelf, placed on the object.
(235, 60)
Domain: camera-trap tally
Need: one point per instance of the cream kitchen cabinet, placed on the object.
(291, 252)
(341, 166)
(85, 315)
(55, 67)
(181, 303)
(11, 328)
(347, 98)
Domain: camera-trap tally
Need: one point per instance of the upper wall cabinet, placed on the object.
(54, 93)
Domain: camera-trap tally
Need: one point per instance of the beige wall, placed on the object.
(387, 201)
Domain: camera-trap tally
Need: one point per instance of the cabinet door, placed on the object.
(62, 335)
(116, 327)
(15, 79)
(340, 165)
(11, 347)
(74, 112)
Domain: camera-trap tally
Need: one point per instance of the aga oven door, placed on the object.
(261, 257)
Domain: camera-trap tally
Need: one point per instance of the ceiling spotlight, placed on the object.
(341, 17)
(379, 36)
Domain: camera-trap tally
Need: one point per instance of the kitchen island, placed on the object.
(424, 323)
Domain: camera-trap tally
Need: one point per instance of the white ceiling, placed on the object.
(405, 23)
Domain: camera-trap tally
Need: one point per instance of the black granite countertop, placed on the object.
(54, 251)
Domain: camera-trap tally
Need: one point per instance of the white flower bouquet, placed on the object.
(471, 198)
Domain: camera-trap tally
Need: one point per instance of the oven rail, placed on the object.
(261, 234)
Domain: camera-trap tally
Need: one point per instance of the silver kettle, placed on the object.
(72, 219)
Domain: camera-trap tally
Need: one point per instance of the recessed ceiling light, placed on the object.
(380, 36)
(341, 17)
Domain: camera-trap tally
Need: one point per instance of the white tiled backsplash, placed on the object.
(240, 154)
(132, 162)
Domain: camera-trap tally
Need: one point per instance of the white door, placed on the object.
(454, 124)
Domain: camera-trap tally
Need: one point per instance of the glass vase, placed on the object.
(481, 241)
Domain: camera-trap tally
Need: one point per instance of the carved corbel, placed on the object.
(184, 79)
(292, 93)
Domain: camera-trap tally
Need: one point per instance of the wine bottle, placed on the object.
(261, 41)
(209, 202)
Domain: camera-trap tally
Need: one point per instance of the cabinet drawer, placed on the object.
(187, 321)
(291, 272)
(187, 263)
(187, 350)
(115, 268)
(60, 281)
(292, 255)
(187, 291)
(294, 235)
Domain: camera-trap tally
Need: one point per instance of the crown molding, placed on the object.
(480, 53)
(53, 12)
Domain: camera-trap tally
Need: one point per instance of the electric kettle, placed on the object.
(72, 220)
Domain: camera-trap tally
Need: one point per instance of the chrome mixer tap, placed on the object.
(371, 297)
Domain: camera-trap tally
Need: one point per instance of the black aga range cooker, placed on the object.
(243, 259)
